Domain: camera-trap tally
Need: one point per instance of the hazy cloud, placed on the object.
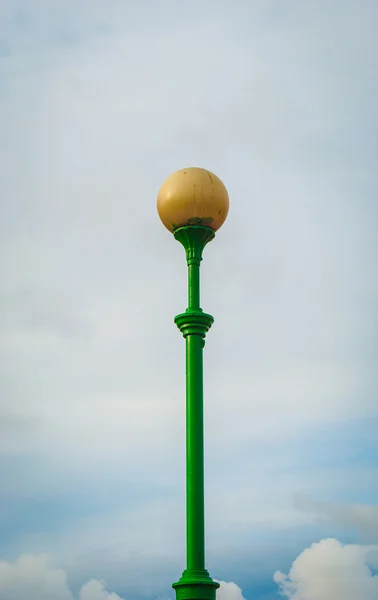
(362, 518)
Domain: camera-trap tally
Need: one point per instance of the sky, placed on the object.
(99, 103)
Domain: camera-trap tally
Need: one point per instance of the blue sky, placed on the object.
(99, 103)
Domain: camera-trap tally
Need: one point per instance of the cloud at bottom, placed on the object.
(329, 569)
(38, 578)
(229, 591)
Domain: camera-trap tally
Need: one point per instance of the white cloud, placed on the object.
(36, 578)
(229, 591)
(96, 590)
(329, 569)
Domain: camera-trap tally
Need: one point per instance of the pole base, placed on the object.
(195, 585)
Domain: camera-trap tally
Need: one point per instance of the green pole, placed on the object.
(195, 583)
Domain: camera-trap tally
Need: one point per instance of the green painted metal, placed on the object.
(195, 582)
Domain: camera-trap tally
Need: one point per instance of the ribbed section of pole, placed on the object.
(195, 583)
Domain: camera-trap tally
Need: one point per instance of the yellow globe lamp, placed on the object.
(193, 196)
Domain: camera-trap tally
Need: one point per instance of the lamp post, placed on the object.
(193, 203)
